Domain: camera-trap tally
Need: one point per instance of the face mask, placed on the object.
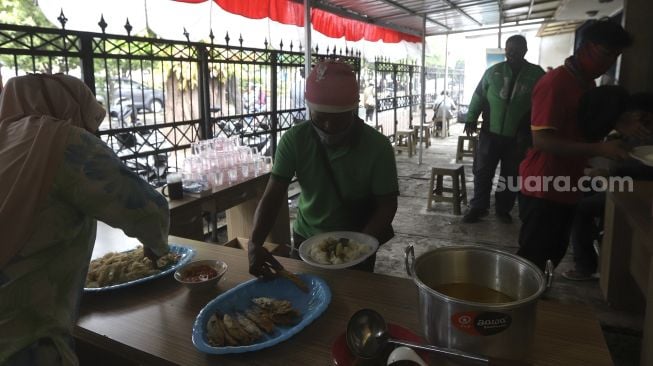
(338, 139)
(593, 61)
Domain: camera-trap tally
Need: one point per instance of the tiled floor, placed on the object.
(439, 227)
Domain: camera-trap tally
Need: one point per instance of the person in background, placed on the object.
(503, 94)
(346, 170)
(369, 102)
(600, 108)
(559, 150)
(443, 109)
(58, 178)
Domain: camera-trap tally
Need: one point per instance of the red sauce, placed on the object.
(199, 273)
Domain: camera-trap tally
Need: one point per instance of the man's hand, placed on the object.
(631, 124)
(470, 128)
(260, 261)
(613, 150)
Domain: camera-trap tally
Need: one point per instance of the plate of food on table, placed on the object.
(260, 313)
(116, 270)
(337, 249)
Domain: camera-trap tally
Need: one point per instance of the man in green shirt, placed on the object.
(504, 97)
(346, 170)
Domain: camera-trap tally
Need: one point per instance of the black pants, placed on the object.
(366, 265)
(545, 229)
(369, 113)
(585, 230)
(491, 150)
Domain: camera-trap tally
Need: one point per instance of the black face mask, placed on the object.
(343, 138)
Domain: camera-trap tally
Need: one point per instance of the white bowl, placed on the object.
(219, 266)
(405, 354)
(643, 154)
(364, 239)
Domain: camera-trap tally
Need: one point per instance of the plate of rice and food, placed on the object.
(337, 249)
(259, 314)
(117, 270)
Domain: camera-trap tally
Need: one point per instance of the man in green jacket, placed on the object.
(504, 97)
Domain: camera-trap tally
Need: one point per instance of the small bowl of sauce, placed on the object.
(202, 274)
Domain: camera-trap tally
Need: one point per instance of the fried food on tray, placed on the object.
(337, 251)
(233, 327)
(116, 268)
(215, 331)
(249, 326)
(243, 329)
(261, 319)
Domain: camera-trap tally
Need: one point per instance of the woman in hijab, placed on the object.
(57, 180)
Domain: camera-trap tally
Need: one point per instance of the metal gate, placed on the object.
(162, 95)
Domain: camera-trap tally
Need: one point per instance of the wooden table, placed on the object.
(151, 324)
(239, 200)
(627, 257)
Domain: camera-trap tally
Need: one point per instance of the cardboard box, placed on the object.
(281, 250)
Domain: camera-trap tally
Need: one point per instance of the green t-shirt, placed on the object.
(363, 170)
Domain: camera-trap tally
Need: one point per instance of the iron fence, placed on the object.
(397, 92)
(163, 95)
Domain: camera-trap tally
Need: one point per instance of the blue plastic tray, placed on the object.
(186, 255)
(311, 305)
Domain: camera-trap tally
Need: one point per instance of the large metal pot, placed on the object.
(502, 330)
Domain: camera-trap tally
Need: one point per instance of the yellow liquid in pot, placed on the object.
(472, 292)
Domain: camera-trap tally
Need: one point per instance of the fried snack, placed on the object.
(249, 326)
(273, 306)
(233, 327)
(261, 319)
(243, 329)
(291, 317)
(215, 331)
(280, 312)
(294, 278)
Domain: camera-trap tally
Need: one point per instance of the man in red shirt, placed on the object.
(553, 166)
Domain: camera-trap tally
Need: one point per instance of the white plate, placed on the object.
(365, 239)
(643, 154)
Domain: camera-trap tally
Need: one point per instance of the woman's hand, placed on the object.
(260, 261)
(149, 254)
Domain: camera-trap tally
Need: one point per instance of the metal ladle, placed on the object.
(367, 336)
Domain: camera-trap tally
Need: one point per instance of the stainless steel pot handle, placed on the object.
(548, 273)
(408, 255)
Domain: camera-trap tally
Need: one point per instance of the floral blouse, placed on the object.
(41, 287)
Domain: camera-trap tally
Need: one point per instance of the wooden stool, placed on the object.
(443, 131)
(458, 188)
(404, 141)
(461, 151)
(427, 134)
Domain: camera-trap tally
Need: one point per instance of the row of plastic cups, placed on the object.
(216, 176)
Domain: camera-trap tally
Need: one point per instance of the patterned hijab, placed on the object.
(36, 113)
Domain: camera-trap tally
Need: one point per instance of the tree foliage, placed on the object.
(24, 12)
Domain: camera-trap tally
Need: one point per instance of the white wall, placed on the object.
(555, 49)
(475, 55)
